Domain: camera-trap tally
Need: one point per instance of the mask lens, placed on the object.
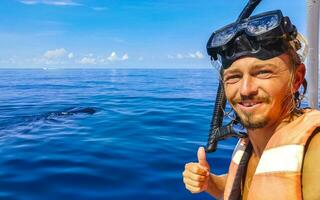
(224, 36)
(263, 24)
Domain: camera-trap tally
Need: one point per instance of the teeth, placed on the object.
(249, 104)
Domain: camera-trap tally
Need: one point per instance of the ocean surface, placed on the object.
(113, 134)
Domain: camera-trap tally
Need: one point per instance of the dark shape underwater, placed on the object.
(55, 116)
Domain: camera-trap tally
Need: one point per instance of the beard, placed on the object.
(252, 120)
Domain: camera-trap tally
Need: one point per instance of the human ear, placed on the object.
(299, 76)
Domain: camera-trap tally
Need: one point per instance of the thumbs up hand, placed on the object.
(196, 175)
(202, 159)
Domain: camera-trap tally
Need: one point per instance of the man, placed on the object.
(261, 80)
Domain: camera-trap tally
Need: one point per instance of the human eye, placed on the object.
(232, 78)
(263, 73)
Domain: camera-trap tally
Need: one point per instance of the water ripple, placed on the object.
(104, 134)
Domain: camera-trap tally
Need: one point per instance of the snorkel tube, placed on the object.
(217, 131)
(247, 11)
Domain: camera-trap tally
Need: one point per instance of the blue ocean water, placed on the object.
(104, 134)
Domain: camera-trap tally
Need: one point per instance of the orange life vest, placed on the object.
(278, 174)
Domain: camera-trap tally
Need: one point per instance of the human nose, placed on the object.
(248, 86)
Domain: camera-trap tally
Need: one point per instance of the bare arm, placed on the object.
(216, 185)
(311, 169)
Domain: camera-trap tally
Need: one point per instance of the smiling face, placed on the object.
(260, 90)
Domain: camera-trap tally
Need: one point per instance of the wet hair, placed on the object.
(294, 98)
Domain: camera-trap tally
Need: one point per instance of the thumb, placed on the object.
(202, 157)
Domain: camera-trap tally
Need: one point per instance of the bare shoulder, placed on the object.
(311, 169)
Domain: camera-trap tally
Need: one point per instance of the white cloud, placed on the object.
(53, 57)
(51, 2)
(199, 55)
(56, 53)
(191, 55)
(102, 61)
(113, 56)
(180, 56)
(88, 61)
(196, 55)
(61, 56)
(125, 57)
(70, 55)
(29, 2)
(11, 60)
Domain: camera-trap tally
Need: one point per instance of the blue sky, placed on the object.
(119, 33)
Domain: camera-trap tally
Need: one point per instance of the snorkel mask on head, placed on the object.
(262, 36)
